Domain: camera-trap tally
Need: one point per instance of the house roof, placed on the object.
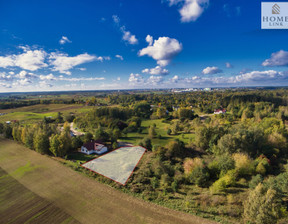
(93, 145)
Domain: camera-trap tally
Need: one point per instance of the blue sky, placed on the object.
(92, 45)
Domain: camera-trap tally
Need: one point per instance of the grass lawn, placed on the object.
(161, 129)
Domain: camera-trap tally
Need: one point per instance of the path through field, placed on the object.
(81, 197)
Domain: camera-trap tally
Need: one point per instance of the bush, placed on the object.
(262, 206)
(146, 143)
(255, 181)
(199, 176)
(220, 166)
(228, 180)
(190, 164)
(243, 164)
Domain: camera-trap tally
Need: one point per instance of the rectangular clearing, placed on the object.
(117, 165)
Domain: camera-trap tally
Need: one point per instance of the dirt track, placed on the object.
(79, 196)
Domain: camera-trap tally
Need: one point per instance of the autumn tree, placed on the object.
(41, 142)
(262, 206)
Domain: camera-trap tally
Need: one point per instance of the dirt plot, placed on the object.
(20, 205)
(79, 196)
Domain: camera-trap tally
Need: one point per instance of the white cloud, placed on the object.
(254, 78)
(49, 77)
(23, 74)
(81, 79)
(158, 70)
(22, 82)
(162, 50)
(175, 79)
(279, 58)
(190, 10)
(5, 85)
(149, 40)
(228, 65)
(63, 63)
(128, 36)
(102, 58)
(135, 79)
(118, 78)
(116, 19)
(64, 40)
(45, 84)
(30, 60)
(5, 77)
(155, 80)
(211, 70)
(119, 56)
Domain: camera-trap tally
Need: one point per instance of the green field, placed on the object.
(161, 129)
(30, 114)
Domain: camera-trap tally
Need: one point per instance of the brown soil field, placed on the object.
(81, 197)
(20, 205)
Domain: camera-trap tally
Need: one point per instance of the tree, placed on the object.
(174, 148)
(161, 112)
(41, 142)
(199, 176)
(59, 118)
(152, 132)
(115, 145)
(1, 128)
(142, 109)
(60, 144)
(87, 137)
(262, 206)
(102, 135)
(146, 143)
(76, 143)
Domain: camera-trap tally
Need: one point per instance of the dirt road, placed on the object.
(79, 196)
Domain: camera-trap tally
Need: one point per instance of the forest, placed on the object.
(230, 167)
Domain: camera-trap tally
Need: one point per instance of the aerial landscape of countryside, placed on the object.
(147, 111)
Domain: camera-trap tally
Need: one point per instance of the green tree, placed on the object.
(60, 144)
(102, 135)
(152, 132)
(41, 142)
(262, 206)
(146, 143)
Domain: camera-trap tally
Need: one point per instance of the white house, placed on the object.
(220, 111)
(93, 147)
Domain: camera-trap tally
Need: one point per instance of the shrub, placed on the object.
(228, 180)
(262, 206)
(255, 181)
(190, 164)
(199, 176)
(243, 164)
(220, 166)
(263, 165)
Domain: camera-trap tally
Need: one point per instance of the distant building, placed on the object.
(93, 147)
(207, 89)
(220, 111)
(176, 108)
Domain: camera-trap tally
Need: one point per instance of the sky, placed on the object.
(61, 45)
